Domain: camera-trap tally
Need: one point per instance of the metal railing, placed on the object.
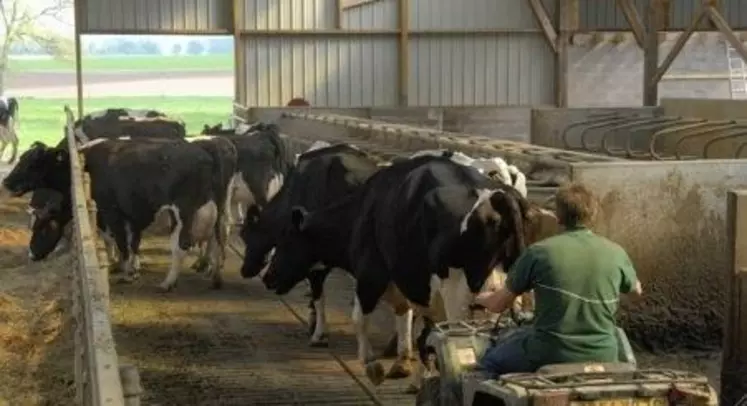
(99, 378)
(656, 138)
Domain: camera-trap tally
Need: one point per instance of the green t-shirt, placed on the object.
(577, 277)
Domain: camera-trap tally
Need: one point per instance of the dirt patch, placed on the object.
(36, 352)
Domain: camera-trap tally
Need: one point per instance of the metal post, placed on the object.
(734, 365)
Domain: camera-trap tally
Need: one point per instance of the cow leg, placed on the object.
(370, 287)
(3, 145)
(402, 367)
(13, 144)
(180, 244)
(318, 316)
(206, 226)
(135, 237)
(111, 250)
(125, 258)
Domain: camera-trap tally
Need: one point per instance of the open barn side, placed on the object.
(671, 218)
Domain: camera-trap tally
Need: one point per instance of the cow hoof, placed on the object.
(321, 342)
(165, 287)
(375, 372)
(114, 269)
(412, 389)
(200, 266)
(122, 279)
(402, 368)
(217, 283)
(391, 348)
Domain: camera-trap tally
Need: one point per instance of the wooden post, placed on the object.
(651, 53)
(734, 365)
(78, 16)
(567, 23)
(338, 14)
(404, 52)
(634, 19)
(239, 81)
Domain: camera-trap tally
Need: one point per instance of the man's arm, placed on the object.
(519, 280)
(630, 283)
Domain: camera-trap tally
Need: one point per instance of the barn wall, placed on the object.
(446, 69)
(604, 15)
(154, 16)
(670, 218)
(712, 109)
(330, 71)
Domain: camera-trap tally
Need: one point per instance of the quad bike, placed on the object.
(452, 351)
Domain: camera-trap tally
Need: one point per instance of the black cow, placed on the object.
(417, 228)
(8, 127)
(264, 162)
(117, 122)
(320, 177)
(131, 181)
(49, 213)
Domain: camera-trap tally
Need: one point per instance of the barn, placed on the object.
(485, 77)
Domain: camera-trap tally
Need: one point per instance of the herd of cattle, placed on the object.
(422, 233)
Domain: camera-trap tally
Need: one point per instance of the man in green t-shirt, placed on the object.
(577, 278)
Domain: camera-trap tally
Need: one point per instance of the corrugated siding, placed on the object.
(289, 14)
(473, 14)
(602, 15)
(474, 70)
(380, 15)
(333, 72)
(111, 16)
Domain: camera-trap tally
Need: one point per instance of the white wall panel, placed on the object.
(334, 71)
(466, 15)
(289, 14)
(475, 70)
(370, 16)
(155, 16)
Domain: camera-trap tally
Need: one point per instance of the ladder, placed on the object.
(737, 73)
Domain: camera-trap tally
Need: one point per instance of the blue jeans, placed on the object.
(508, 356)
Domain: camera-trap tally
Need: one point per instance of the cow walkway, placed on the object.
(240, 345)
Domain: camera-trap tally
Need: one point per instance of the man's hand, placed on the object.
(496, 302)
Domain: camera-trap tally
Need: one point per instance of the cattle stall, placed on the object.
(675, 191)
(668, 214)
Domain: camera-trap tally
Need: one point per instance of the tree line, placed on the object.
(128, 46)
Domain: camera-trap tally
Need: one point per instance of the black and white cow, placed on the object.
(418, 228)
(9, 127)
(132, 180)
(240, 129)
(321, 176)
(135, 123)
(264, 161)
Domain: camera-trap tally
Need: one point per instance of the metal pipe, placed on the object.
(653, 122)
(741, 130)
(568, 128)
(584, 134)
(673, 130)
(696, 134)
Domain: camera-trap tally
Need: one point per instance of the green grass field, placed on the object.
(43, 119)
(130, 63)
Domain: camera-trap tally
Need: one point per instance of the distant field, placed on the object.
(130, 63)
(43, 119)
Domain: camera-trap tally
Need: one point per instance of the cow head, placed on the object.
(216, 129)
(296, 252)
(491, 233)
(34, 169)
(47, 222)
(258, 242)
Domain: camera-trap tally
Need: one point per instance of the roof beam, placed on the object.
(543, 19)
